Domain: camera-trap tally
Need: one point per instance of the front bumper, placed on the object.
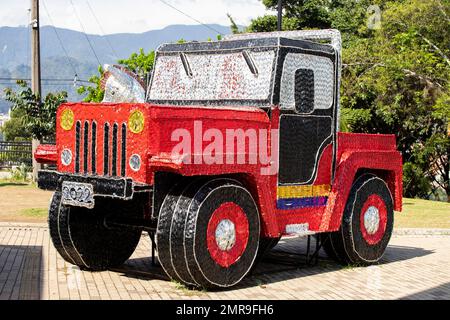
(116, 187)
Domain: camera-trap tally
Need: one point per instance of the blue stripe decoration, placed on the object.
(295, 203)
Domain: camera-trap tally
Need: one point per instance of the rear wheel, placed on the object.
(81, 237)
(214, 233)
(367, 224)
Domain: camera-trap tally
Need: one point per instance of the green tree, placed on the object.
(15, 129)
(93, 93)
(348, 16)
(395, 79)
(140, 63)
(36, 118)
(304, 13)
(233, 26)
(268, 23)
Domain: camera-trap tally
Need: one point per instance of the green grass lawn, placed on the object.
(419, 213)
(34, 212)
(9, 183)
(23, 202)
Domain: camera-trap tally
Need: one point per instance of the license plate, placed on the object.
(77, 194)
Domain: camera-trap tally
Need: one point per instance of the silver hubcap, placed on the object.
(225, 235)
(371, 220)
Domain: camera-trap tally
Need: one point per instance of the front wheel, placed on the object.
(81, 237)
(213, 235)
(367, 224)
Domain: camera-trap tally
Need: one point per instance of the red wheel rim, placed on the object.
(374, 209)
(229, 212)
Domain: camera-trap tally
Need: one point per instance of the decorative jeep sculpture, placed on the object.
(169, 166)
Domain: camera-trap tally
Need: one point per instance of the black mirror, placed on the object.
(304, 90)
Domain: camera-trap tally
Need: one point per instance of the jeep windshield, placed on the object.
(213, 73)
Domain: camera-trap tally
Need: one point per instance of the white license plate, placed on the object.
(77, 194)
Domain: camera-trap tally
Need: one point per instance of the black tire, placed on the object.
(53, 221)
(169, 215)
(191, 256)
(177, 233)
(81, 237)
(353, 243)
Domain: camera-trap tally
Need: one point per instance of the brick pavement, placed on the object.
(415, 266)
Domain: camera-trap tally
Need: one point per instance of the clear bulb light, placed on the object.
(66, 157)
(135, 162)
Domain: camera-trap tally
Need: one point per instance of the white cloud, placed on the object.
(131, 16)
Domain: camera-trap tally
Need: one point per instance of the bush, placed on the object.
(20, 173)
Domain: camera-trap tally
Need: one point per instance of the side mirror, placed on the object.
(304, 90)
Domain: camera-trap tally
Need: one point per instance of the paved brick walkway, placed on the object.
(414, 267)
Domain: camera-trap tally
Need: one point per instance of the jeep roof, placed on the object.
(241, 70)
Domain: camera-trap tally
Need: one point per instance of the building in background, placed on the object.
(3, 118)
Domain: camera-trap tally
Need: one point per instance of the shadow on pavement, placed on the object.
(142, 269)
(401, 253)
(21, 272)
(286, 261)
(441, 292)
(291, 253)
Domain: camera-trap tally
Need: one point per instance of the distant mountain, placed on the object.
(15, 51)
(14, 42)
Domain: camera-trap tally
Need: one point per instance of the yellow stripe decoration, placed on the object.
(287, 192)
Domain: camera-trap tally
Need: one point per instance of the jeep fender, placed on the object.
(386, 163)
(259, 186)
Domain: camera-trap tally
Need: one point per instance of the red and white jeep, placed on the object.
(238, 144)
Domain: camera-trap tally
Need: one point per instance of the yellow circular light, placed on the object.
(136, 121)
(67, 118)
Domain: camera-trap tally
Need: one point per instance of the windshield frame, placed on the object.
(220, 47)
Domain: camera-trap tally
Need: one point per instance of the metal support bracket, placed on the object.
(34, 23)
(313, 259)
(152, 238)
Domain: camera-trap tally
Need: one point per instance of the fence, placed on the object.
(14, 154)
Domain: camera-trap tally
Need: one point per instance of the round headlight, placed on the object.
(67, 118)
(136, 121)
(135, 162)
(66, 157)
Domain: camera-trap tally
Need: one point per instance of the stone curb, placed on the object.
(420, 232)
(23, 225)
(397, 232)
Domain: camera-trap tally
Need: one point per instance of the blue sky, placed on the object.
(116, 16)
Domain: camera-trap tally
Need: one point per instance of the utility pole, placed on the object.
(280, 15)
(35, 69)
